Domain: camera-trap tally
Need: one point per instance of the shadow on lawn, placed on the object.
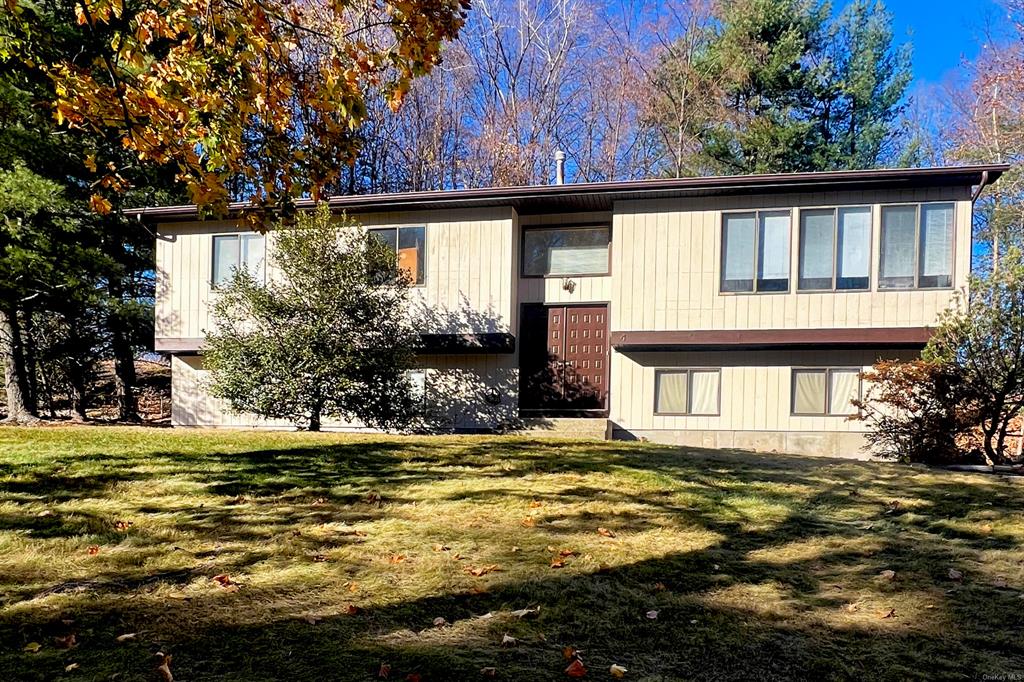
(714, 619)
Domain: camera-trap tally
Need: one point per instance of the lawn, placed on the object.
(253, 556)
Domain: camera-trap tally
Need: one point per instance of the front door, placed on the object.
(564, 359)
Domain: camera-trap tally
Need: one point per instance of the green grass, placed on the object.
(345, 549)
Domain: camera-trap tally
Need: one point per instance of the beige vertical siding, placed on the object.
(469, 283)
(666, 256)
(755, 388)
(460, 394)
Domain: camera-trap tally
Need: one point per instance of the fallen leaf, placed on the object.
(412, 677)
(165, 667)
(660, 587)
(617, 670)
(955, 575)
(319, 558)
(482, 570)
(126, 636)
(123, 525)
(396, 558)
(93, 550)
(568, 653)
(1000, 581)
(66, 642)
(441, 548)
(318, 501)
(893, 507)
(986, 528)
(353, 586)
(890, 614)
(440, 622)
(45, 513)
(32, 647)
(312, 620)
(384, 671)
(605, 532)
(70, 667)
(557, 563)
(296, 533)
(576, 669)
(887, 575)
(356, 533)
(528, 522)
(489, 672)
(373, 498)
(534, 504)
(852, 607)
(352, 609)
(223, 580)
(508, 640)
(523, 613)
(652, 615)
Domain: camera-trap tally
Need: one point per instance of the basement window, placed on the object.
(694, 392)
(826, 391)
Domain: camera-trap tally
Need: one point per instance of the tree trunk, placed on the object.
(18, 411)
(124, 372)
(77, 387)
(28, 354)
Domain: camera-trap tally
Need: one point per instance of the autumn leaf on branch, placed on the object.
(255, 100)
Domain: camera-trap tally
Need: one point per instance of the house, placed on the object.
(715, 311)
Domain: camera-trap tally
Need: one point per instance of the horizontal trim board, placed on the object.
(600, 196)
(711, 339)
(432, 344)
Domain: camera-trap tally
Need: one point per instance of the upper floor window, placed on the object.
(409, 244)
(835, 249)
(234, 252)
(917, 247)
(755, 251)
(566, 251)
(687, 391)
(826, 391)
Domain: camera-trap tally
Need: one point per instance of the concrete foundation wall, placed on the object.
(817, 443)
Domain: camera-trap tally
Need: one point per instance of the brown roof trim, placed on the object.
(602, 194)
(438, 344)
(726, 339)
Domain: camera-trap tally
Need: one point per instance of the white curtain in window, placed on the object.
(739, 246)
(854, 242)
(936, 239)
(774, 236)
(845, 388)
(704, 392)
(672, 392)
(816, 233)
(225, 257)
(578, 260)
(809, 391)
(898, 235)
(253, 254)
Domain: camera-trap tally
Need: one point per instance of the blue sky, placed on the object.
(942, 32)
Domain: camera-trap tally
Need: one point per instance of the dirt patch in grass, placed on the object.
(253, 556)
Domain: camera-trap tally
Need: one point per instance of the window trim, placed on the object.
(238, 237)
(409, 226)
(828, 370)
(757, 250)
(688, 371)
(835, 208)
(917, 245)
(564, 226)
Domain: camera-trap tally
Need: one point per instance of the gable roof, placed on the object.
(600, 196)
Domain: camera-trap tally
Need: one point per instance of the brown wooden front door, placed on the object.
(564, 359)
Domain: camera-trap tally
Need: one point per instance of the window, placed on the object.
(755, 251)
(233, 252)
(917, 247)
(409, 244)
(835, 248)
(564, 251)
(826, 391)
(687, 391)
(417, 386)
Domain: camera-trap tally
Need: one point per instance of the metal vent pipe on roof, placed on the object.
(559, 167)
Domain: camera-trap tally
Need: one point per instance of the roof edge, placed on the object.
(969, 175)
